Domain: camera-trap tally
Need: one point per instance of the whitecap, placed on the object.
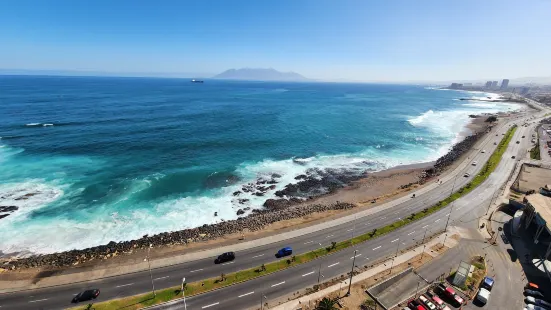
(33, 124)
(47, 125)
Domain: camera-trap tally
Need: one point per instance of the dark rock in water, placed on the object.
(473, 116)
(272, 181)
(276, 175)
(26, 196)
(8, 208)
(261, 181)
(236, 193)
(3, 216)
(259, 194)
(301, 177)
(242, 201)
(271, 187)
(240, 211)
(246, 209)
(215, 213)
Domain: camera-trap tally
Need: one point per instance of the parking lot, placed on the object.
(545, 139)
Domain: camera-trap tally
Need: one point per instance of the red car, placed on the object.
(450, 292)
(415, 305)
(439, 303)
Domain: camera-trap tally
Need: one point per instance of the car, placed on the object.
(427, 302)
(466, 175)
(483, 151)
(533, 293)
(225, 257)
(537, 302)
(483, 295)
(439, 302)
(518, 142)
(86, 295)
(513, 157)
(487, 283)
(533, 307)
(450, 293)
(523, 136)
(415, 305)
(284, 252)
(474, 163)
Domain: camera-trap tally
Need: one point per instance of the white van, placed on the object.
(483, 295)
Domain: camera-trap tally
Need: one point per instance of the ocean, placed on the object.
(89, 160)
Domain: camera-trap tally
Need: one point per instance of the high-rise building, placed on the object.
(488, 84)
(494, 84)
(504, 83)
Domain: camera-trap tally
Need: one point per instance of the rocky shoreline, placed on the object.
(310, 185)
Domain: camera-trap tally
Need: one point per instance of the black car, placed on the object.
(226, 257)
(86, 295)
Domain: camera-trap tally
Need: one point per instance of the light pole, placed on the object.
(351, 273)
(490, 204)
(424, 244)
(183, 292)
(319, 274)
(397, 247)
(151, 275)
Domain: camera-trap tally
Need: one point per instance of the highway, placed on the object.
(248, 294)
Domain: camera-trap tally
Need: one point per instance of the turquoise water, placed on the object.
(104, 159)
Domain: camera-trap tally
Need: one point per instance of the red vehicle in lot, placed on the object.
(416, 305)
(451, 294)
(439, 302)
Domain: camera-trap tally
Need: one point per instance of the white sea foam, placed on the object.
(47, 125)
(33, 124)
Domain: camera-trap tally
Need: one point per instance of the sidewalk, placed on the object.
(313, 298)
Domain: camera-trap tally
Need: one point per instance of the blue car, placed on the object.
(284, 252)
(488, 283)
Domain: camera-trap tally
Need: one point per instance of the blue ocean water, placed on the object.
(88, 160)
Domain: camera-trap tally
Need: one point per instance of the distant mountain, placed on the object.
(252, 74)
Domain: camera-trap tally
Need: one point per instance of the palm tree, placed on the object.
(327, 304)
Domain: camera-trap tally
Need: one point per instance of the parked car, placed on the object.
(518, 142)
(532, 286)
(534, 307)
(483, 295)
(483, 151)
(450, 293)
(86, 295)
(523, 136)
(415, 305)
(440, 304)
(487, 283)
(225, 257)
(466, 175)
(533, 293)
(284, 252)
(537, 302)
(474, 163)
(427, 302)
(513, 157)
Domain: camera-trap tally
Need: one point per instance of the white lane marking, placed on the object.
(397, 212)
(196, 270)
(124, 285)
(308, 242)
(257, 256)
(437, 220)
(356, 256)
(394, 240)
(161, 278)
(249, 293)
(226, 263)
(329, 236)
(411, 232)
(335, 264)
(38, 300)
(425, 226)
(278, 283)
(377, 248)
(351, 229)
(214, 304)
(399, 219)
(308, 273)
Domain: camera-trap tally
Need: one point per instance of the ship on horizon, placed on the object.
(197, 81)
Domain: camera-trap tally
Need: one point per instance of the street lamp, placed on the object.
(183, 292)
(424, 244)
(397, 247)
(351, 273)
(151, 275)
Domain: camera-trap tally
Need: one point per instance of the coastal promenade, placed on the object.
(199, 265)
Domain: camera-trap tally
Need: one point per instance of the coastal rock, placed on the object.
(8, 208)
(240, 212)
(276, 176)
(236, 193)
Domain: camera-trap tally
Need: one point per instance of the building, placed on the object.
(494, 84)
(488, 84)
(456, 86)
(504, 83)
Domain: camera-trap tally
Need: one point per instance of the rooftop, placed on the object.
(542, 205)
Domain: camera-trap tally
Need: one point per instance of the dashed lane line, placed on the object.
(196, 270)
(278, 284)
(335, 264)
(246, 294)
(161, 278)
(124, 285)
(329, 236)
(226, 263)
(357, 255)
(214, 304)
(437, 220)
(394, 241)
(377, 248)
(38, 300)
(258, 256)
(411, 232)
(304, 275)
(308, 242)
(425, 226)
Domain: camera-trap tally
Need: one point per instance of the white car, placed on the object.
(483, 295)
(537, 302)
(427, 302)
(474, 163)
(466, 175)
(483, 151)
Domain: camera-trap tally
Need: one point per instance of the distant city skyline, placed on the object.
(351, 40)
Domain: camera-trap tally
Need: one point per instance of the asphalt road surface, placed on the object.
(248, 294)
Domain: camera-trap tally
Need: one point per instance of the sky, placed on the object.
(357, 40)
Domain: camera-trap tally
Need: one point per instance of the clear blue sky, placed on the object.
(344, 39)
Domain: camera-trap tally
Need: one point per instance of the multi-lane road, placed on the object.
(248, 294)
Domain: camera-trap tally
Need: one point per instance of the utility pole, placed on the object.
(424, 244)
(351, 273)
(183, 292)
(151, 275)
(319, 274)
(397, 247)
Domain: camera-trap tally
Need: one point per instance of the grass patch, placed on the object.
(535, 151)
(194, 288)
